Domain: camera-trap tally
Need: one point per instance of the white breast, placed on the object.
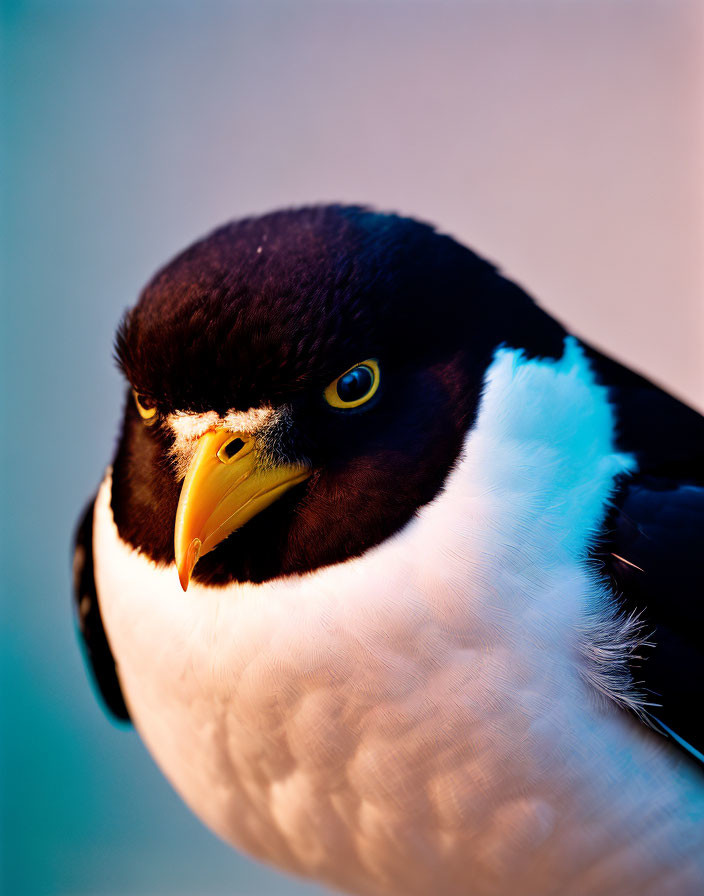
(417, 720)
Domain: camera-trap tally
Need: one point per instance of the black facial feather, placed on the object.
(267, 312)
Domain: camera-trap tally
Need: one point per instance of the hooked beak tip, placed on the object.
(188, 562)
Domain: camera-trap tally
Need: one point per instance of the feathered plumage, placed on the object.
(438, 661)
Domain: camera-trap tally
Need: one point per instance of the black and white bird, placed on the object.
(400, 582)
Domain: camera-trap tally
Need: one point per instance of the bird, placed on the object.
(398, 579)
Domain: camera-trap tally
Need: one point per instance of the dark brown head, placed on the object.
(330, 360)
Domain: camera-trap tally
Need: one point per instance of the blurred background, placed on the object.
(564, 139)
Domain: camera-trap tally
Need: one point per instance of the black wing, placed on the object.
(96, 648)
(654, 554)
(652, 546)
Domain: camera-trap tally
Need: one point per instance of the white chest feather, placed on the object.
(418, 720)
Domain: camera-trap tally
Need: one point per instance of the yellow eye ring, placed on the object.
(355, 386)
(147, 414)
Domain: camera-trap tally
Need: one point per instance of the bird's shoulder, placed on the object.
(651, 544)
(90, 623)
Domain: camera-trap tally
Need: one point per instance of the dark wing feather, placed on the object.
(654, 556)
(96, 648)
(652, 545)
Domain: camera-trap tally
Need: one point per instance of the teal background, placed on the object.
(563, 139)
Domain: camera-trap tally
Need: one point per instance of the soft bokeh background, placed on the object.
(563, 139)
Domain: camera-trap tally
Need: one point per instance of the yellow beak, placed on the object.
(225, 487)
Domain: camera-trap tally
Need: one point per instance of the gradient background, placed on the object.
(564, 140)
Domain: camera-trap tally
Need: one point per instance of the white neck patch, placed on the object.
(561, 425)
(562, 422)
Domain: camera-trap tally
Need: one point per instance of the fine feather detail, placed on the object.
(188, 427)
(608, 641)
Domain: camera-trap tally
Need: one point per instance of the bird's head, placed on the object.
(300, 384)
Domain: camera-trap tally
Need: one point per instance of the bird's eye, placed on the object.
(146, 408)
(355, 387)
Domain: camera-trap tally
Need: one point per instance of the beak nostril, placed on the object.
(230, 449)
(227, 483)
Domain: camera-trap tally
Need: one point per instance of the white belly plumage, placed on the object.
(417, 720)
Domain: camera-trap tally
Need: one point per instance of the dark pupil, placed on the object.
(146, 403)
(355, 384)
